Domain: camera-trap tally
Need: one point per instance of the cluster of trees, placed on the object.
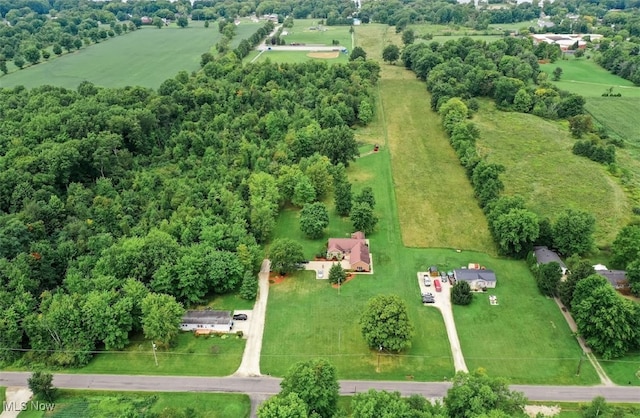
(626, 255)
(514, 228)
(120, 206)
(33, 34)
(506, 70)
(310, 389)
(621, 57)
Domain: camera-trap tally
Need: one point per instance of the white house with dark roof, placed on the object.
(207, 321)
(478, 279)
(544, 255)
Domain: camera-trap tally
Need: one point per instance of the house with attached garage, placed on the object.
(207, 321)
(355, 250)
(544, 255)
(478, 279)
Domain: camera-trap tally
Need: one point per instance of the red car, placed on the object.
(437, 285)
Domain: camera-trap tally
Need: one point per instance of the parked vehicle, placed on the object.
(437, 285)
(240, 317)
(427, 280)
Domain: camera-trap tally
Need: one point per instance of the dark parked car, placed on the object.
(240, 317)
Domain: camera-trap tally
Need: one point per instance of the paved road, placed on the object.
(262, 386)
(250, 365)
(443, 303)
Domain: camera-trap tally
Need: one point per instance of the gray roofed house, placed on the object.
(478, 279)
(213, 321)
(544, 255)
(617, 278)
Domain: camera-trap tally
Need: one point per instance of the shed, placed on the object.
(215, 321)
(433, 271)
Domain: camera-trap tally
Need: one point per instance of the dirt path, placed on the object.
(250, 365)
(604, 379)
(16, 397)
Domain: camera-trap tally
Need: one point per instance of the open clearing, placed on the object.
(585, 77)
(324, 55)
(84, 403)
(625, 370)
(298, 56)
(192, 356)
(301, 32)
(541, 167)
(127, 60)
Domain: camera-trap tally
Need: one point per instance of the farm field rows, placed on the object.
(128, 60)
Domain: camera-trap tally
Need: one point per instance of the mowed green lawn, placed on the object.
(301, 32)
(625, 370)
(293, 57)
(317, 320)
(585, 77)
(85, 403)
(436, 204)
(524, 338)
(145, 57)
(541, 167)
(192, 356)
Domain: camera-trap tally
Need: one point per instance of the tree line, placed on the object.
(121, 206)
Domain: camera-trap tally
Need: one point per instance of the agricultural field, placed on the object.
(192, 356)
(127, 60)
(541, 167)
(84, 403)
(585, 77)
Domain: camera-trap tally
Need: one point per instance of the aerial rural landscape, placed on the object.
(325, 209)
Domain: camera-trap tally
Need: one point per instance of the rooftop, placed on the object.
(207, 317)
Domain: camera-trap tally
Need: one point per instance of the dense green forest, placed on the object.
(120, 206)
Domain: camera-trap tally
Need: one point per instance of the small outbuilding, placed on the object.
(206, 321)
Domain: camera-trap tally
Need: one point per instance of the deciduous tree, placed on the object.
(314, 218)
(281, 406)
(474, 394)
(356, 53)
(285, 254)
(548, 277)
(391, 53)
(41, 385)
(161, 318)
(376, 404)
(316, 383)
(516, 231)
(385, 324)
(626, 246)
(573, 232)
(363, 218)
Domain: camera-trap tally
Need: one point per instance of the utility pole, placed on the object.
(155, 357)
(580, 364)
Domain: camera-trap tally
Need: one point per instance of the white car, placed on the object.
(427, 281)
(320, 274)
